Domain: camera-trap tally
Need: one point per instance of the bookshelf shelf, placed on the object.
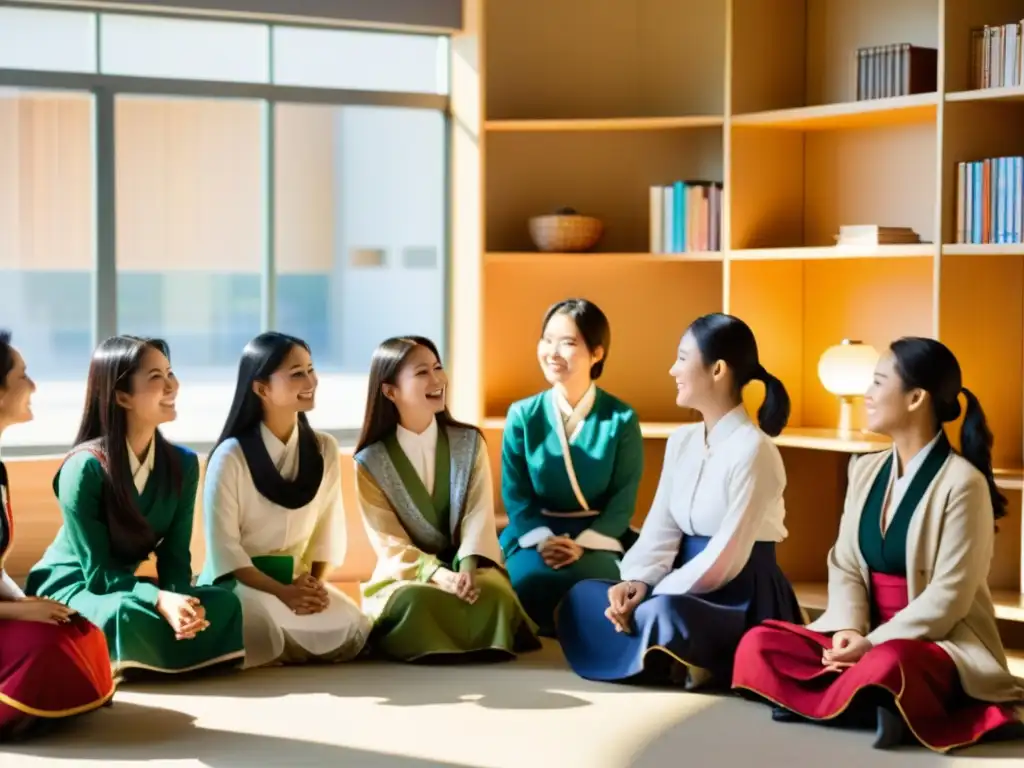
(833, 252)
(606, 124)
(898, 110)
(761, 96)
(585, 259)
(991, 249)
(1008, 93)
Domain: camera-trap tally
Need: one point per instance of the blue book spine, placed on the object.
(1000, 184)
(976, 196)
(679, 246)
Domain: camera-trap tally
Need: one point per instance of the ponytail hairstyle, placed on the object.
(929, 365)
(727, 338)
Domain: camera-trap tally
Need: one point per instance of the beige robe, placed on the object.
(399, 560)
(949, 553)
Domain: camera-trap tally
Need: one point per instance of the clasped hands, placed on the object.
(184, 613)
(848, 646)
(304, 596)
(623, 598)
(559, 551)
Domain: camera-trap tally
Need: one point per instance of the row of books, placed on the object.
(996, 56)
(897, 69)
(686, 217)
(988, 200)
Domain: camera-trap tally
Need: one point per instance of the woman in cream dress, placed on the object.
(274, 517)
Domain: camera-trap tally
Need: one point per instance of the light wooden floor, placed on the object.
(531, 713)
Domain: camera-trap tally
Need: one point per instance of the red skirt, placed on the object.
(51, 671)
(781, 663)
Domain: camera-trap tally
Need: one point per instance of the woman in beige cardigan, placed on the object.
(909, 638)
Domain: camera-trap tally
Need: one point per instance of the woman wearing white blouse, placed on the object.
(273, 513)
(703, 569)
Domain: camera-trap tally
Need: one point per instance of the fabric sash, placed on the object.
(462, 447)
(889, 596)
(570, 469)
(290, 494)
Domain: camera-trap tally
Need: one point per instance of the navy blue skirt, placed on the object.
(693, 630)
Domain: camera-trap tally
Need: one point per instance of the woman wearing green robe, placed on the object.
(571, 461)
(125, 493)
(425, 491)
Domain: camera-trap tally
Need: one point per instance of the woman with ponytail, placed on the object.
(703, 569)
(908, 644)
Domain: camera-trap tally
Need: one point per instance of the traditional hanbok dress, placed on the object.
(277, 507)
(707, 554)
(47, 671)
(428, 503)
(916, 588)
(568, 472)
(81, 570)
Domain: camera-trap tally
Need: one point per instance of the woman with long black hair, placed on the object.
(425, 489)
(125, 494)
(703, 570)
(273, 513)
(908, 644)
(53, 662)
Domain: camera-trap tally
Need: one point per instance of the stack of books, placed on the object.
(988, 200)
(874, 234)
(996, 56)
(899, 69)
(686, 217)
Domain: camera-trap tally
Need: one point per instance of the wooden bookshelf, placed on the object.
(760, 95)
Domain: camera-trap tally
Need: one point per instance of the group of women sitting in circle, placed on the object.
(908, 644)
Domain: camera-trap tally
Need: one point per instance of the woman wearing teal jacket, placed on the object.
(571, 457)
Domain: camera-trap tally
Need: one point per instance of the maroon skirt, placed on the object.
(781, 663)
(50, 671)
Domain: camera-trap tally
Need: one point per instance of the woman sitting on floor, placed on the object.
(572, 458)
(703, 570)
(425, 489)
(125, 493)
(53, 663)
(909, 638)
(274, 515)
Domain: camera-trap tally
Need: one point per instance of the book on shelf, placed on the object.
(686, 217)
(876, 234)
(897, 69)
(996, 56)
(988, 200)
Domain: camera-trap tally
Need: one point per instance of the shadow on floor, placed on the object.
(737, 732)
(533, 681)
(133, 732)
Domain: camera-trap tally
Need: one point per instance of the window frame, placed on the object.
(105, 89)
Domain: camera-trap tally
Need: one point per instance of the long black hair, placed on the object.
(590, 322)
(260, 358)
(381, 417)
(927, 364)
(727, 338)
(103, 431)
(6, 356)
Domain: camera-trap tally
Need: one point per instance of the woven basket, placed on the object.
(565, 233)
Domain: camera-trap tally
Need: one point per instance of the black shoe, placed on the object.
(783, 715)
(889, 729)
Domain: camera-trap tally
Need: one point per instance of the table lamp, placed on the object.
(846, 370)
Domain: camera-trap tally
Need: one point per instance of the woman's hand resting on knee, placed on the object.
(559, 551)
(623, 598)
(184, 613)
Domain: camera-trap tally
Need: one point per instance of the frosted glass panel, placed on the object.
(187, 50)
(363, 61)
(52, 41)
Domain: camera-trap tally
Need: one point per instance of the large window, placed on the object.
(216, 179)
(46, 249)
(360, 238)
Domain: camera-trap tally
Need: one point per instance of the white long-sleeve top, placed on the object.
(727, 485)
